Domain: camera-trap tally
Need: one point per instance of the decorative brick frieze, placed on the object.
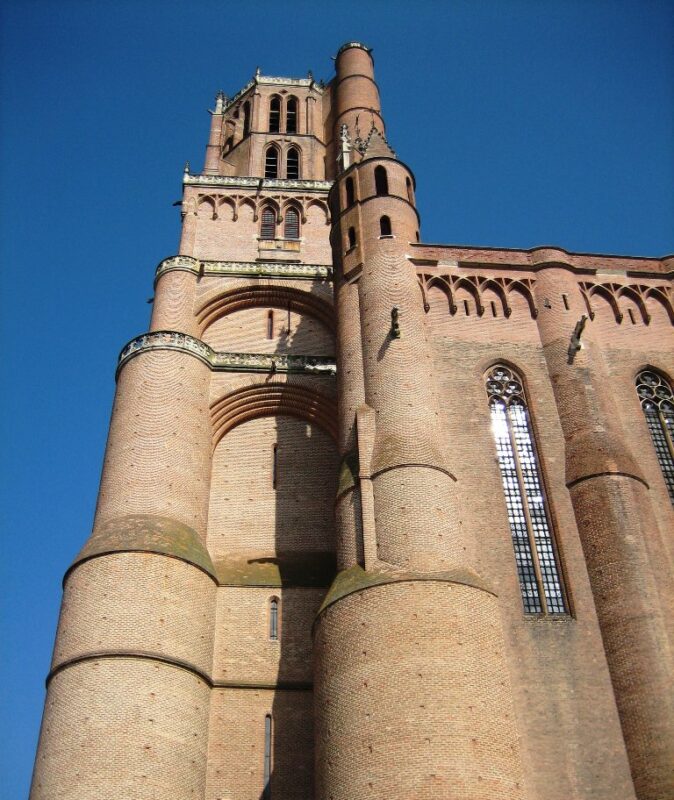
(226, 362)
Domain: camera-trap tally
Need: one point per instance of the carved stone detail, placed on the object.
(313, 272)
(256, 183)
(225, 362)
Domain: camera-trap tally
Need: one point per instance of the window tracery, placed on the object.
(537, 563)
(657, 401)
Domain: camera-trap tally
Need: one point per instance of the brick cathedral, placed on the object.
(378, 519)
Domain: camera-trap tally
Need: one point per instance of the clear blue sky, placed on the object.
(526, 122)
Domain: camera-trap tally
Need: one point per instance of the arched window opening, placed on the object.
(293, 163)
(275, 114)
(410, 193)
(268, 223)
(537, 564)
(385, 226)
(266, 790)
(350, 193)
(291, 115)
(291, 228)
(380, 181)
(352, 237)
(657, 402)
(271, 163)
(273, 619)
(246, 118)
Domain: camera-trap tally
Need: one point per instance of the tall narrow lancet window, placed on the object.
(537, 562)
(268, 224)
(657, 401)
(246, 118)
(350, 194)
(293, 164)
(291, 227)
(385, 226)
(271, 163)
(273, 619)
(291, 115)
(266, 790)
(275, 114)
(380, 181)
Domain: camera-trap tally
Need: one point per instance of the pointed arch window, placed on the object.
(271, 162)
(293, 163)
(275, 114)
(385, 226)
(380, 181)
(535, 553)
(273, 619)
(268, 223)
(291, 227)
(291, 115)
(657, 401)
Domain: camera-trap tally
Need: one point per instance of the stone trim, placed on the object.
(307, 272)
(260, 184)
(225, 362)
(142, 655)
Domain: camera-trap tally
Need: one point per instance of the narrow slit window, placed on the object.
(410, 194)
(266, 790)
(565, 300)
(293, 164)
(271, 163)
(350, 193)
(385, 226)
(275, 114)
(631, 316)
(291, 224)
(380, 181)
(466, 307)
(246, 118)
(352, 237)
(268, 224)
(657, 402)
(270, 324)
(291, 115)
(274, 467)
(535, 555)
(493, 308)
(273, 619)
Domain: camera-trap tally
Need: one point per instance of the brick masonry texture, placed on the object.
(367, 509)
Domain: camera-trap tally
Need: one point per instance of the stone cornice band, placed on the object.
(256, 183)
(225, 362)
(307, 272)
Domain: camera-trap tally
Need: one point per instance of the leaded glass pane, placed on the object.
(657, 401)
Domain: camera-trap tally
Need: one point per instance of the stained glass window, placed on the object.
(657, 401)
(535, 556)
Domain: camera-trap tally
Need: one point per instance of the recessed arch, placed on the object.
(660, 296)
(272, 399)
(637, 299)
(284, 297)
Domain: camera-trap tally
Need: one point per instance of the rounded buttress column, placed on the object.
(126, 713)
(616, 524)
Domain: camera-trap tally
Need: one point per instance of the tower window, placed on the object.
(352, 237)
(270, 324)
(350, 194)
(657, 402)
(266, 790)
(275, 114)
(410, 194)
(273, 619)
(385, 226)
(291, 228)
(268, 224)
(246, 118)
(293, 164)
(274, 466)
(291, 115)
(565, 300)
(271, 163)
(535, 556)
(380, 181)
